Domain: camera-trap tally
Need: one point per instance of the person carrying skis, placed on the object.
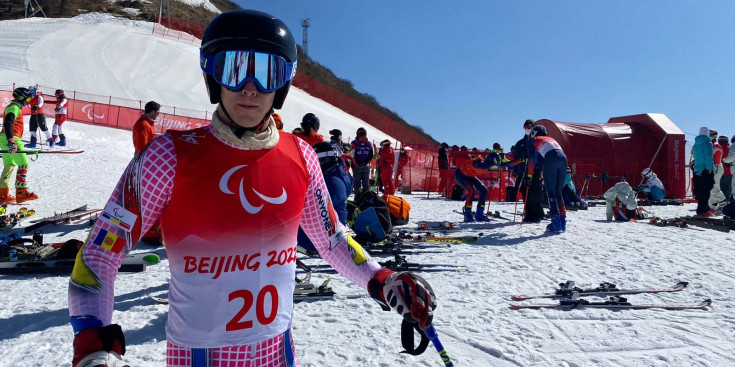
(60, 115)
(704, 177)
(309, 127)
(362, 152)
(143, 132)
(466, 177)
(232, 271)
(37, 120)
(10, 141)
(550, 158)
(652, 187)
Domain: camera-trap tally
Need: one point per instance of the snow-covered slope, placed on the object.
(100, 54)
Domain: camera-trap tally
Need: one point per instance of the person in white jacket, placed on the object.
(730, 160)
(652, 187)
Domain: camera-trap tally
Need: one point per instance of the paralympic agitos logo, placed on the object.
(250, 208)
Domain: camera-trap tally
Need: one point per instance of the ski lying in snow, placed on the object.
(613, 303)
(718, 224)
(65, 217)
(133, 263)
(677, 223)
(399, 263)
(34, 152)
(443, 225)
(604, 289)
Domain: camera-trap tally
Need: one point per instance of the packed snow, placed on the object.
(473, 290)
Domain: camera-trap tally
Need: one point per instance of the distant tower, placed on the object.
(305, 23)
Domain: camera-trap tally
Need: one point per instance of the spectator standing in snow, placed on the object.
(704, 177)
(529, 182)
(716, 197)
(264, 184)
(362, 152)
(402, 162)
(37, 120)
(729, 161)
(387, 160)
(310, 128)
(443, 160)
(60, 118)
(726, 180)
(143, 131)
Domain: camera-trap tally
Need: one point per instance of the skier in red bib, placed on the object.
(232, 272)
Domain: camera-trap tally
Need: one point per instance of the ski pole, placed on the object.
(434, 337)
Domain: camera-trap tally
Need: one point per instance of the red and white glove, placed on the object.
(12, 146)
(100, 346)
(407, 293)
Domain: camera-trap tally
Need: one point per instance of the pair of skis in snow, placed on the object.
(571, 297)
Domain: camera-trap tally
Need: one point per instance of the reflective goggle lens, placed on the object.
(233, 68)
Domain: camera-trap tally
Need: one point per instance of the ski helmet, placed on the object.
(248, 30)
(361, 132)
(538, 130)
(22, 94)
(646, 173)
(327, 155)
(713, 134)
(722, 139)
(336, 133)
(310, 120)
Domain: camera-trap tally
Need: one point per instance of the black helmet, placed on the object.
(22, 94)
(722, 139)
(311, 121)
(59, 92)
(336, 133)
(328, 157)
(529, 123)
(538, 130)
(248, 30)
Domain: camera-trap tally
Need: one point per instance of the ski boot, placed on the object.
(52, 141)
(563, 222)
(32, 144)
(555, 225)
(5, 197)
(467, 211)
(62, 141)
(480, 214)
(22, 195)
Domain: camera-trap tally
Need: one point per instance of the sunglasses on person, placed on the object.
(233, 68)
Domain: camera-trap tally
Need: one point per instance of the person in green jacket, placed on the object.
(10, 141)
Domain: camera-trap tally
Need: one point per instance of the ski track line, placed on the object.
(494, 352)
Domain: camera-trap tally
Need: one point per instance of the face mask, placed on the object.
(528, 131)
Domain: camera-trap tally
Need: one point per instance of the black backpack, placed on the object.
(369, 199)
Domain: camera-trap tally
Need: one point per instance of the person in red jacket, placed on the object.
(37, 120)
(309, 127)
(387, 160)
(466, 177)
(726, 180)
(143, 132)
(61, 108)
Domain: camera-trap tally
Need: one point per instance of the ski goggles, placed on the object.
(233, 68)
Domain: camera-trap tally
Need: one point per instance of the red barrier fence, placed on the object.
(114, 112)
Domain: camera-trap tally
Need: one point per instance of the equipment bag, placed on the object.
(398, 208)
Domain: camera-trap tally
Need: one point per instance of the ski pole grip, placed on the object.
(434, 337)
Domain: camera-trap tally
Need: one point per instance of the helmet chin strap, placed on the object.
(238, 130)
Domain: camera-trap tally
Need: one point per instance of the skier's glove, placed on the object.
(12, 146)
(34, 108)
(100, 346)
(407, 293)
(57, 109)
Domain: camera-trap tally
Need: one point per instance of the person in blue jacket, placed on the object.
(704, 177)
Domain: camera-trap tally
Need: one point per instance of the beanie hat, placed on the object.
(703, 131)
(529, 123)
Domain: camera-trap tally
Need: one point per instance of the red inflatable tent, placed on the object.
(601, 155)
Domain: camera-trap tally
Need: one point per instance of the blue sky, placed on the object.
(470, 72)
